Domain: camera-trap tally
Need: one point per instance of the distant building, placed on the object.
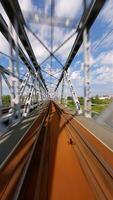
(105, 97)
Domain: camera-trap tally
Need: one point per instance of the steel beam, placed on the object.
(7, 81)
(28, 100)
(17, 102)
(62, 91)
(13, 11)
(7, 72)
(24, 83)
(74, 95)
(5, 32)
(87, 87)
(87, 20)
(11, 68)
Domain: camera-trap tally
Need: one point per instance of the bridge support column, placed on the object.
(87, 88)
(62, 91)
(40, 91)
(37, 94)
(11, 68)
(17, 102)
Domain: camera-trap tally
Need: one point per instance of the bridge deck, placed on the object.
(58, 159)
(13, 136)
(105, 134)
(102, 132)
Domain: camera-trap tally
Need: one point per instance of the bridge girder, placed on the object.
(87, 20)
(13, 11)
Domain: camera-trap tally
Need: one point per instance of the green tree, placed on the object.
(69, 98)
(6, 100)
(81, 100)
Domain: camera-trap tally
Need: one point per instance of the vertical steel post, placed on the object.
(18, 107)
(62, 91)
(11, 67)
(41, 97)
(37, 94)
(87, 88)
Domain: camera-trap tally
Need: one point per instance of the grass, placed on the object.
(71, 105)
(98, 108)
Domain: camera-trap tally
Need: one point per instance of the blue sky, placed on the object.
(101, 56)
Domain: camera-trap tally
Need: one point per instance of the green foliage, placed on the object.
(69, 98)
(6, 100)
(96, 100)
(70, 104)
(81, 100)
(63, 101)
(99, 107)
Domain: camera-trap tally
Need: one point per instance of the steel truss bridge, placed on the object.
(46, 152)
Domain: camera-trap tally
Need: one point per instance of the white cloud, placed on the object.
(4, 46)
(105, 42)
(64, 51)
(44, 32)
(103, 75)
(55, 72)
(107, 13)
(76, 77)
(40, 52)
(102, 71)
(67, 8)
(5, 87)
(105, 58)
(27, 7)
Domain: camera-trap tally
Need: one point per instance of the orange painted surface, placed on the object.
(62, 166)
(66, 178)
